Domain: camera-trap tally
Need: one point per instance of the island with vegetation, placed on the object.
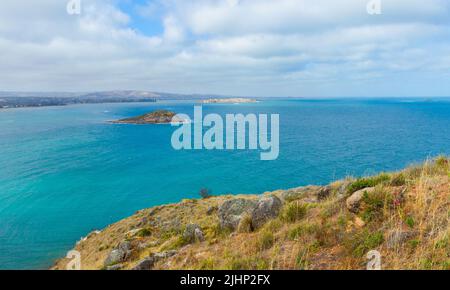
(403, 215)
(229, 101)
(156, 117)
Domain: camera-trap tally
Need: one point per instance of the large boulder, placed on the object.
(232, 211)
(267, 207)
(193, 233)
(354, 201)
(149, 262)
(119, 254)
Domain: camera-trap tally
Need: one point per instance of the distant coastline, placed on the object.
(11, 100)
(229, 101)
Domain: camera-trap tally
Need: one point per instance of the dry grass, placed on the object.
(414, 203)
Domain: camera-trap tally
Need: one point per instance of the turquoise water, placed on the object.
(65, 171)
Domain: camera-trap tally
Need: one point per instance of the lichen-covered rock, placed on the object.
(149, 262)
(118, 255)
(267, 207)
(115, 267)
(231, 212)
(193, 233)
(354, 201)
(300, 193)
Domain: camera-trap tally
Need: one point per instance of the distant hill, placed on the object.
(42, 99)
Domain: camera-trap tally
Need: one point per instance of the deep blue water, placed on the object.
(65, 171)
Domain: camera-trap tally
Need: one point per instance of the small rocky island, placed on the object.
(229, 101)
(156, 117)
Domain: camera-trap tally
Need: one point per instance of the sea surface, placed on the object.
(65, 171)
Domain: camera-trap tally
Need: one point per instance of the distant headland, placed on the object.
(228, 101)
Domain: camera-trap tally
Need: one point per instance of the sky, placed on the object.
(298, 48)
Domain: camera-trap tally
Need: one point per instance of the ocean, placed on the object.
(65, 171)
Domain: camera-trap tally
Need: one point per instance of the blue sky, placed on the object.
(312, 48)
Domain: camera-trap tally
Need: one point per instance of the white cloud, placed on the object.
(246, 47)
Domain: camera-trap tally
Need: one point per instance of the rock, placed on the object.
(118, 255)
(359, 222)
(343, 187)
(267, 207)
(145, 264)
(211, 210)
(354, 201)
(193, 233)
(132, 233)
(114, 267)
(231, 212)
(398, 237)
(324, 192)
(149, 262)
(300, 193)
(146, 245)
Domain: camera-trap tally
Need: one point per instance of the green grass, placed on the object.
(294, 211)
(144, 233)
(265, 240)
(361, 243)
(373, 205)
(362, 183)
(409, 221)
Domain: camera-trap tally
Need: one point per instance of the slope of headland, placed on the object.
(403, 215)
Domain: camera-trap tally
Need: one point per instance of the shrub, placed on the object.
(205, 193)
(294, 211)
(265, 240)
(410, 221)
(373, 205)
(442, 162)
(302, 229)
(207, 264)
(398, 179)
(361, 243)
(301, 261)
(245, 225)
(252, 263)
(144, 233)
(362, 183)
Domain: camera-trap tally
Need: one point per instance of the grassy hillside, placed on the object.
(404, 215)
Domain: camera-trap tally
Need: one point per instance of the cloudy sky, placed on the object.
(236, 47)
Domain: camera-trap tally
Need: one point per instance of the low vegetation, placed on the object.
(405, 216)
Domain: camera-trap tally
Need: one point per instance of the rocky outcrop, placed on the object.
(267, 207)
(118, 255)
(232, 211)
(193, 233)
(149, 262)
(354, 201)
(311, 194)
